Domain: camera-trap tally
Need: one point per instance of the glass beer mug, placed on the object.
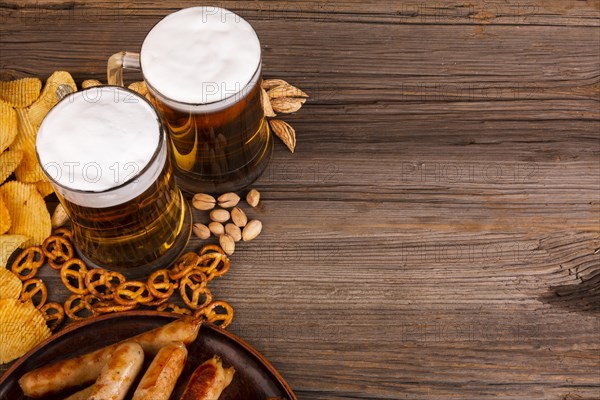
(105, 152)
(202, 67)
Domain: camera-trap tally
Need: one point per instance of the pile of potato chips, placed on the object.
(24, 217)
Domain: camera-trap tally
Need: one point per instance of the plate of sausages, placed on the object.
(139, 355)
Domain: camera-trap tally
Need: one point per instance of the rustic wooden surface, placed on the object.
(436, 234)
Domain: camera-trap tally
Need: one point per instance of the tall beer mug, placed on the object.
(202, 67)
(105, 152)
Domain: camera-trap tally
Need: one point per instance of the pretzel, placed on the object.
(211, 248)
(53, 319)
(110, 306)
(30, 290)
(212, 316)
(64, 232)
(159, 284)
(79, 303)
(132, 292)
(213, 264)
(102, 283)
(27, 263)
(174, 308)
(192, 292)
(185, 264)
(72, 275)
(154, 302)
(57, 250)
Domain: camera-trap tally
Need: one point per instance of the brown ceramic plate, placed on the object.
(254, 378)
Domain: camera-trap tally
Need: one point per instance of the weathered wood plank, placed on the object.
(436, 233)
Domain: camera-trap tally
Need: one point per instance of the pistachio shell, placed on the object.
(239, 217)
(219, 215)
(252, 230)
(203, 202)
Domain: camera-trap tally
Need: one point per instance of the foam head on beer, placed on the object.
(200, 55)
(99, 139)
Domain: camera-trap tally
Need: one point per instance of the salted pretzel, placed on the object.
(211, 248)
(160, 284)
(57, 250)
(213, 264)
(212, 314)
(54, 314)
(174, 308)
(185, 264)
(110, 306)
(27, 263)
(79, 306)
(132, 292)
(102, 283)
(30, 290)
(63, 232)
(193, 290)
(72, 275)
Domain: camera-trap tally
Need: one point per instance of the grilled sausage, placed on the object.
(84, 369)
(160, 378)
(118, 373)
(208, 381)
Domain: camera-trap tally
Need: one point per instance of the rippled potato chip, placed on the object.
(88, 83)
(139, 87)
(20, 92)
(45, 188)
(22, 327)
(29, 215)
(4, 217)
(8, 125)
(10, 285)
(29, 170)
(9, 161)
(8, 245)
(38, 110)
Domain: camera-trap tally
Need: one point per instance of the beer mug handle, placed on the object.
(119, 61)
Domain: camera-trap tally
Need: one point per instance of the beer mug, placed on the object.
(104, 151)
(202, 67)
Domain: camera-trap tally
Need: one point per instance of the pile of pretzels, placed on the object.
(99, 291)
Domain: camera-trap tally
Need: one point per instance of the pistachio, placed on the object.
(252, 230)
(227, 244)
(59, 217)
(228, 200)
(219, 215)
(234, 231)
(201, 231)
(253, 197)
(216, 228)
(239, 217)
(203, 202)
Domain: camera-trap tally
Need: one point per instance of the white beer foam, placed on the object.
(96, 140)
(200, 55)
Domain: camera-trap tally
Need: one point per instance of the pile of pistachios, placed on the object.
(229, 222)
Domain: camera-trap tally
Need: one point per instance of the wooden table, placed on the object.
(436, 233)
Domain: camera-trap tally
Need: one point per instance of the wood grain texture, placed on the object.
(436, 234)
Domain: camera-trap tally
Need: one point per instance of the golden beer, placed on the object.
(105, 152)
(218, 151)
(202, 67)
